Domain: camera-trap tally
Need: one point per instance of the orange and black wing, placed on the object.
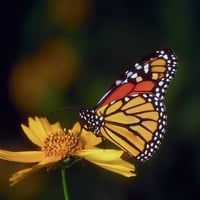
(152, 74)
(132, 113)
(136, 124)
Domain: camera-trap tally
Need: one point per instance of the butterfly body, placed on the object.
(132, 113)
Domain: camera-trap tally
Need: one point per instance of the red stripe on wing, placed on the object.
(128, 89)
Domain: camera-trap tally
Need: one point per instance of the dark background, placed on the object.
(92, 42)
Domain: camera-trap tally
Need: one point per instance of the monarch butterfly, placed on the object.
(132, 112)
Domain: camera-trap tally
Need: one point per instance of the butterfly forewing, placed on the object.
(151, 74)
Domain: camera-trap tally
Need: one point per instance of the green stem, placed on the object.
(64, 182)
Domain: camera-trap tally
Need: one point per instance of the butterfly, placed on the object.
(132, 113)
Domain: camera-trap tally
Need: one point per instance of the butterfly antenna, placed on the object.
(65, 109)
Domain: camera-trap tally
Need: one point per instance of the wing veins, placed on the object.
(122, 137)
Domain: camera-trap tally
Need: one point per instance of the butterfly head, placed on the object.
(92, 120)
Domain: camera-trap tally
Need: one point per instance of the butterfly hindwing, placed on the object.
(136, 124)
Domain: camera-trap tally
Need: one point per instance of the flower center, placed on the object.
(61, 144)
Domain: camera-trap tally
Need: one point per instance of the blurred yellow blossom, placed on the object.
(49, 71)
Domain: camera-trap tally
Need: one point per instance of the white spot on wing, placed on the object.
(129, 74)
(146, 68)
(137, 66)
(117, 82)
(165, 56)
(135, 75)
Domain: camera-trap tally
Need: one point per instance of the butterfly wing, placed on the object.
(136, 124)
(150, 75)
(132, 113)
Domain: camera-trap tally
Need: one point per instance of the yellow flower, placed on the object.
(56, 144)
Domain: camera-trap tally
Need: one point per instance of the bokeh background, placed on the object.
(58, 53)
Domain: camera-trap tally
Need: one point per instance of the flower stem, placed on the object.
(64, 183)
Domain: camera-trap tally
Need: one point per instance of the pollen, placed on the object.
(61, 144)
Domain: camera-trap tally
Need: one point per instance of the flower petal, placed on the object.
(110, 160)
(50, 160)
(76, 129)
(56, 127)
(20, 175)
(22, 156)
(50, 128)
(35, 132)
(32, 136)
(89, 139)
(39, 129)
(39, 126)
